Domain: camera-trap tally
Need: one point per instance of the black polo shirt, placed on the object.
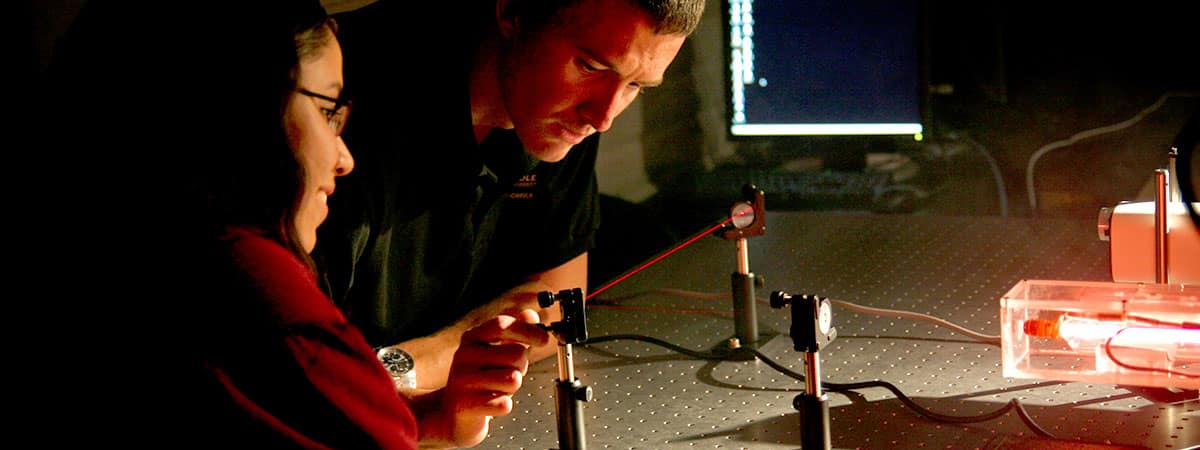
(430, 224)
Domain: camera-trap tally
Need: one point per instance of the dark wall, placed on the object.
(1025, 74)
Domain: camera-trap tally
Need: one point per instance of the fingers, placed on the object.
(499, 379)
(490, 364)
(508, 329)
(529, 316)
(477, 404)
(495, 354)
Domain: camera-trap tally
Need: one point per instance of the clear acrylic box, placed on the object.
(1119, 333)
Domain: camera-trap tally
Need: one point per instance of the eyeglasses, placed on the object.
(337, 115)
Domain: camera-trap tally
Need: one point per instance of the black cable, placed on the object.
(665, 344)
(904, 398)
(738, 353)
(1185, 144)
(1108, 349)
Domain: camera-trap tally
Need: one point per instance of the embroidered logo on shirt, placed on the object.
(523, 188)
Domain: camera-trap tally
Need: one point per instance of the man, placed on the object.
(425, 241)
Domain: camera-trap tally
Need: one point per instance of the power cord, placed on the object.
(738, 354)
(950, 140)
(1013, 404)
(985, 338)
(1037, 154)
(1002, 191)
(1186, 144)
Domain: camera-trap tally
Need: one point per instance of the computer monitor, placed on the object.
(849, 69)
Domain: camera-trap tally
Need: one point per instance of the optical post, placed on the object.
(570, 393)
(748, 219)
(812, 328)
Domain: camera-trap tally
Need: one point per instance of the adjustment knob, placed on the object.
(780, 298)
(545, 299)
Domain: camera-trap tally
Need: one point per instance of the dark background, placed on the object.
(1030, 73)
(1008, 78)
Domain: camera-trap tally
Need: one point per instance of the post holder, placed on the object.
(570, 393)
(812, 328)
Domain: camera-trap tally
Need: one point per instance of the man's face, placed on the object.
(571, 79)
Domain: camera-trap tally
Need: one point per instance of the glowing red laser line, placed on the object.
(668, 252)
(715, 312)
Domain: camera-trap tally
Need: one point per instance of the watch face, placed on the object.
(396, 361)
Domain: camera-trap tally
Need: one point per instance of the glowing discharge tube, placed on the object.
(1130, 345)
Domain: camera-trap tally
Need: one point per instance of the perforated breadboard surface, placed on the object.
(954, 268)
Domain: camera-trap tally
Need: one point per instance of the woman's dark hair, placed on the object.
(179, 106)
(161, 121)
(235, 202)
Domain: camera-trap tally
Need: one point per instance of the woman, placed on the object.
(221, 336)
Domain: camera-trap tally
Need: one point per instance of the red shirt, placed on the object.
(280, 364)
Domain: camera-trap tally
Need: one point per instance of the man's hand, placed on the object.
(487, 370)
(432, 354)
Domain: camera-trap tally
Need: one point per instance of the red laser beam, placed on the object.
(668, 252)
(715, 312)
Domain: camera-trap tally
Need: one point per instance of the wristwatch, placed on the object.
(399, 365)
